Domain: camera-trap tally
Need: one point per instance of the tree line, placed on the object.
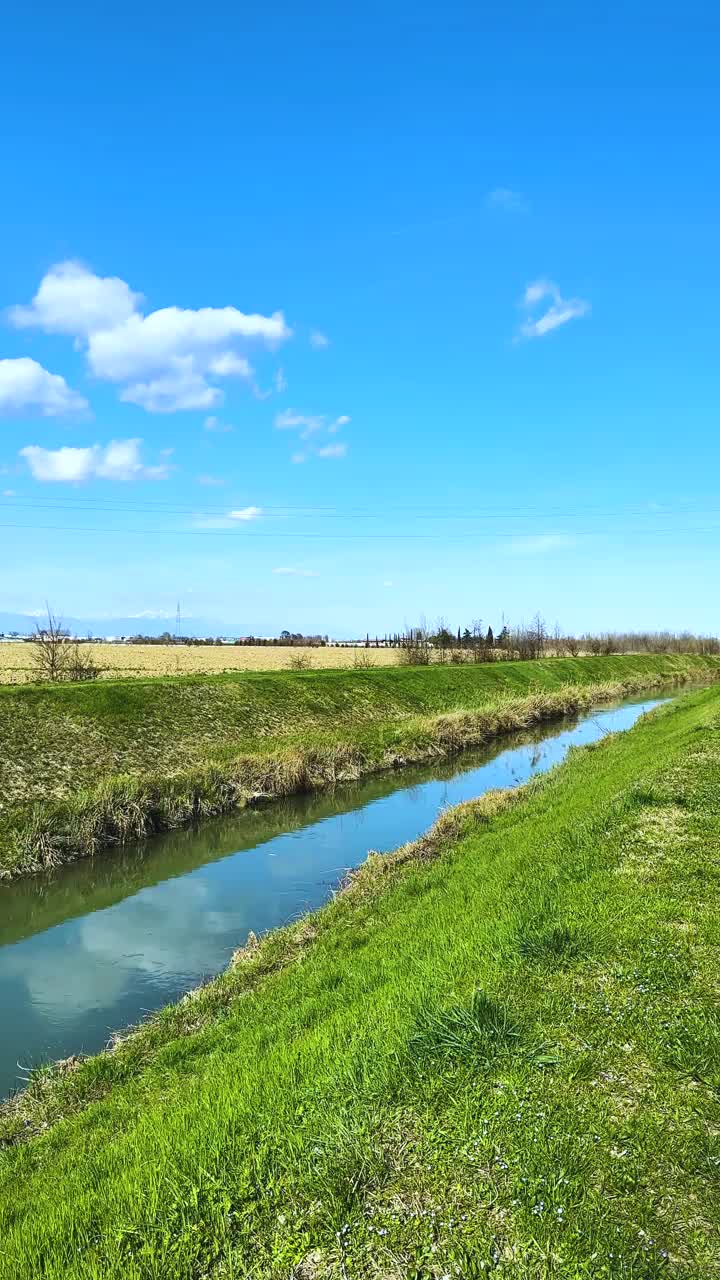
(60, 657)
(422, 644)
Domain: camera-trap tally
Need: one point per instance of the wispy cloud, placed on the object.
(280, 381)
(319, 340)
(288, 571)
(209, 481)
(309, 425)
(536, 544)
(332, 451)
(558, 313)
(228, 521)
(505, 198)
(214, 424)
(245, 513)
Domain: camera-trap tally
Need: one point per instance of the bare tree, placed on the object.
(51, 651)
(539, 633)
(478, 643)
(415, 649)
(557, 640)
(57, 657)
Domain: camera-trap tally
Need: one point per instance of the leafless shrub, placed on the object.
(300, 662)
(414, 655)
(81, 664)
(415, 648)
(58, 658)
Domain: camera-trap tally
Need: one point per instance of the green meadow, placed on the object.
(87, 766)
(497, 1052)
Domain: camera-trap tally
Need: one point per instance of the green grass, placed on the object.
(88, 766)
(498, 1052)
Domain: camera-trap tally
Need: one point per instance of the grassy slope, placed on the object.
(84, 766)
(497, 1052)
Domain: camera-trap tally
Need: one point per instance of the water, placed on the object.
(96, 946)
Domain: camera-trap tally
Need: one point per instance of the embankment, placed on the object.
(86, 767)
(496, 1052)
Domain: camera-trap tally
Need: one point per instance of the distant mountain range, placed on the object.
(143, 624)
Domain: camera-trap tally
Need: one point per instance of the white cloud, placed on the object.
(8, 493)
(280, 381)
(388, 583)
(119, 460)
(290, 419)
(181, 388)
(319, 340)
(560, 311)
(231, 518)
(210, 482)
(332, 451)
(538, 290)
(505, 198)
(297, 458)
(26, 387)
(289, 572)
(245, 513)
(168, 357)
(537, 544)
(75, 301)
(145, 344)
(554, 318)
(213, 424)
(228, 365)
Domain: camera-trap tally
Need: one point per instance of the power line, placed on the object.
(120, 506)
(240, 532)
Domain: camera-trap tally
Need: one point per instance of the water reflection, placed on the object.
(96, 946)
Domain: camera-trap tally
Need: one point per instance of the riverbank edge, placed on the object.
(60, 1088)
(71, 1084)
(127, 808)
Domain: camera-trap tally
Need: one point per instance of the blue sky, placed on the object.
(327, 317)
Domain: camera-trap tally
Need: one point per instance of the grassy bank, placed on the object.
(85, 767)
(497, 1052)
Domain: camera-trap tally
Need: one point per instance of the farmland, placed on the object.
(119, 660)
(86, 766)
(495, 1052)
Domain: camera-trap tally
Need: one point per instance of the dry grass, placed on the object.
(17, 666)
